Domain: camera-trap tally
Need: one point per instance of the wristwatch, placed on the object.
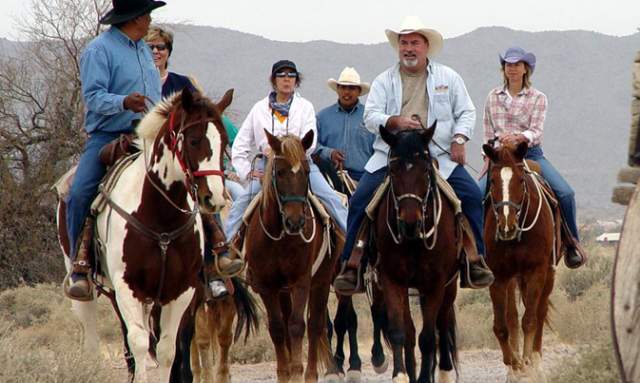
(458, 139)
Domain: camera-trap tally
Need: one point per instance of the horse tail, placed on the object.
(246, 308)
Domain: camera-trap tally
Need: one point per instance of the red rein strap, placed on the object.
(178, 153)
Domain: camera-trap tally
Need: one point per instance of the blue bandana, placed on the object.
(280, 107)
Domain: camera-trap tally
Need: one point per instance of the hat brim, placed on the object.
(111, 17)
(364, 87)
(433, 37)
(528, 57)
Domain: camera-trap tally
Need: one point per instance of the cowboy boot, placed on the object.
(350, 279)
(80, 288)
(574, 255)
(475, 274)
(221, 262)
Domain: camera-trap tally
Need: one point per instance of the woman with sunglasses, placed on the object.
(282, 112)
(160, 42)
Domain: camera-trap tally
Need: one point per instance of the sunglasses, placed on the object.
(287, 74)
(159, 47)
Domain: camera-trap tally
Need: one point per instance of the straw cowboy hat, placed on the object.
(349, 77)
(412, 24)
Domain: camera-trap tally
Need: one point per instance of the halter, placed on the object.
(282, 201)
(178, 137)
(432, 194)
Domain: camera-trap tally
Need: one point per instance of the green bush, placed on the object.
(597, 270)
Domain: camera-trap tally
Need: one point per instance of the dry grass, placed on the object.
(39, 336)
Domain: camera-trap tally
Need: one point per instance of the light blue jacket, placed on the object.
(112, 66)
(449, 103)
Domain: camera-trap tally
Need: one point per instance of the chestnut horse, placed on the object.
(282, 244)
(522, 243)
(149, 238)
(415, 238)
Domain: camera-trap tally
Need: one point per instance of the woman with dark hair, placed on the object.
(282, 112)
(515, 112)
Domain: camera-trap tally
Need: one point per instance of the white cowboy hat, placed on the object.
(349, 77)
(412, 24)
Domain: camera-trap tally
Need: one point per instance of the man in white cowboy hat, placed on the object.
(343, 141)
(419, 86)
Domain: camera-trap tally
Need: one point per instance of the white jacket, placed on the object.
(449, 103)
(251, 137)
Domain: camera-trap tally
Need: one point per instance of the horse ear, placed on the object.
(225, 101)
(307, 140)
(490, 152)
(388, 137)
(274, 142)
(428, 133)
(187, 98)
(521, 150)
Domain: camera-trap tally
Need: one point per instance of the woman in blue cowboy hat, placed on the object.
(515, 112)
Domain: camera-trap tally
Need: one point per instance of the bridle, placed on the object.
(176, 137)
(518, 207)
(282, 200)
(432, 194)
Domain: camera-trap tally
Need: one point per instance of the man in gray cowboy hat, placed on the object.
(419, 86)
(343, 141)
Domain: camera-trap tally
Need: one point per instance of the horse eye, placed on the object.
(195, 141)
(281, 173)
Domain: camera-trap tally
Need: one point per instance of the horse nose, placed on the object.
(295, 225)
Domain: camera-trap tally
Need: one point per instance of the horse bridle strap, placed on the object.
(175, 137)
(163, 239)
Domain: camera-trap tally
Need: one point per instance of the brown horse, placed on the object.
(282, 245)
(522, 247)
(150, 237)
(415, 239)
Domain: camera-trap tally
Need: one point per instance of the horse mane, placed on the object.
(293, 152)
(154, 120)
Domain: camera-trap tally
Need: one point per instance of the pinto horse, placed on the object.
(522, 240)
(415, 238)
(283, 248)
(149, 238)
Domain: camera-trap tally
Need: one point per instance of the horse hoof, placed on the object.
(353, 376)
(332, 378)
(446, 376)
(401, 378)
(382, 368)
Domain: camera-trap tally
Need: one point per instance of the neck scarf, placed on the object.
(281, 107)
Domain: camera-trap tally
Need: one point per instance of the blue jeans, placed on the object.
(319, 187)
(85, 185)
(562, 189)
(234, 188)
(463, 184)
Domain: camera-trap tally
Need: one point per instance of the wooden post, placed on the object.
(625, 295)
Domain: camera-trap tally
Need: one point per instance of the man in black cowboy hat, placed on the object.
(117, 75)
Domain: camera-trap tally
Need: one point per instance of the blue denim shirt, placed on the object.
(345, 131)
(113, 66)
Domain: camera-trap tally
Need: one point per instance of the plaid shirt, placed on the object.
(525, 115)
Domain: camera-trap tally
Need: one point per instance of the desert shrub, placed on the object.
(595, 365)
(597, 270)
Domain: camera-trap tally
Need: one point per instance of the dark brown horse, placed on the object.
(415, 239)
(282, 245)
(150, 236)
(522, 242)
